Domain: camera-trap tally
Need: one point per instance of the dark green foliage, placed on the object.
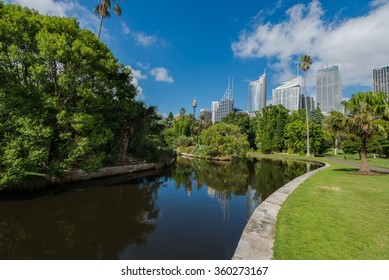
(271, 129)
(65, 101)
(296, 135)
(243, 121)
(224, 140)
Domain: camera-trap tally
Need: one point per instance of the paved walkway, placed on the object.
(354, 164)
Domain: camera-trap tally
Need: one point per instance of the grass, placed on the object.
(335, 214)
(379, 162)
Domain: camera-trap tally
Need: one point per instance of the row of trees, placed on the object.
(65, 100)
(275, 129)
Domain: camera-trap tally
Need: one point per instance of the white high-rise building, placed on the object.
(225, 106)
(381, 80)
(288, 94)
(329, 89)
(257, 94)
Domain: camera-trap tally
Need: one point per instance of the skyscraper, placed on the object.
(288, 94)
(329, 89)
(381, 80)
(257, 94)
(226, 105)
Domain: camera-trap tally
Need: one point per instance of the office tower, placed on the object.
(257, 95)
(226, 105)
(288, 94)
(381, 80)
(207, 115)
(329, 89)
(215, 105)
(311, 103)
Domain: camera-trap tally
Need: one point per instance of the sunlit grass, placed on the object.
(379, 162)
(336, 214)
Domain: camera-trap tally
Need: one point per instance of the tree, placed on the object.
(102, 10)
(369, 115)
(271, 127)
(224, 140)
(243, 121)
(305, 64)
(64, 98)
(295, 135)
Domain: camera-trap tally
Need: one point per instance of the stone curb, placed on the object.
(80, 175)
(257, 239)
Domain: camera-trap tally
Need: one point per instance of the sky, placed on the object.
(181, 49)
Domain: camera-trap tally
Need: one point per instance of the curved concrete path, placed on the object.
(256, 242)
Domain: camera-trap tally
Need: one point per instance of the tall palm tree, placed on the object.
(369, 115)
(304, 65)
(102, 10)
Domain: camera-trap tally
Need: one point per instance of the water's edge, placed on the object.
(257, 239)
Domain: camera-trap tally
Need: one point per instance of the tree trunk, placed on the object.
(364, 163)
(126, 134)
(101, 24)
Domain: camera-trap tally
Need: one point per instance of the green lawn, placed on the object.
(335, 214)
(379, 162)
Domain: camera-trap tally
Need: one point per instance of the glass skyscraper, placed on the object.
(381, 80)
(257, 94)
(226, 105)
(288, 94)
(329, 89)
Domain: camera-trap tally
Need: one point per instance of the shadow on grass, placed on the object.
(346, 169)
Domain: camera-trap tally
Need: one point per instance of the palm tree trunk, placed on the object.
(306, 112)
(101, 24)
(364, 163)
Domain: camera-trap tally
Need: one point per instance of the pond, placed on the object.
(194, 210)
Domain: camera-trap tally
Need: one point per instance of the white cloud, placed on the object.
(126, 30)
(136, 76)
(161, 74)
(69, 8)
(144, 66)
(357, 44)
(50, 7)
(143, 39)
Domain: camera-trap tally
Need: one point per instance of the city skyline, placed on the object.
(180, 50)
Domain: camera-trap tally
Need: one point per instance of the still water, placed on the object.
(195, 210)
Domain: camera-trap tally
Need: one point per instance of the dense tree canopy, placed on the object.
(65, 101)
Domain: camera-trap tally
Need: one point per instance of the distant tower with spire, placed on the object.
(194, 105)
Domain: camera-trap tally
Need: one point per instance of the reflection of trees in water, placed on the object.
(263, 176)
(95, 223)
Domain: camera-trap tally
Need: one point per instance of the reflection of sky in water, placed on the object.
(196, 210)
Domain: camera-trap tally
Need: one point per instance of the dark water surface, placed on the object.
(195, 210)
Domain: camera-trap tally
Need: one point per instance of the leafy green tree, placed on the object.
(296, 134)
(103, 10)
(271, 128)
(305, 64)
(316, 116)
(224, 140)
(64, 98)
(243, 121)
(369, 115)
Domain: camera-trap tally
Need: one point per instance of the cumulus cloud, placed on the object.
(50, 7)
(357, 44)
(161, 74)
(136, 76)
(62, 8)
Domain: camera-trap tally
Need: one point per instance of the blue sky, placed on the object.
(179, 49)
